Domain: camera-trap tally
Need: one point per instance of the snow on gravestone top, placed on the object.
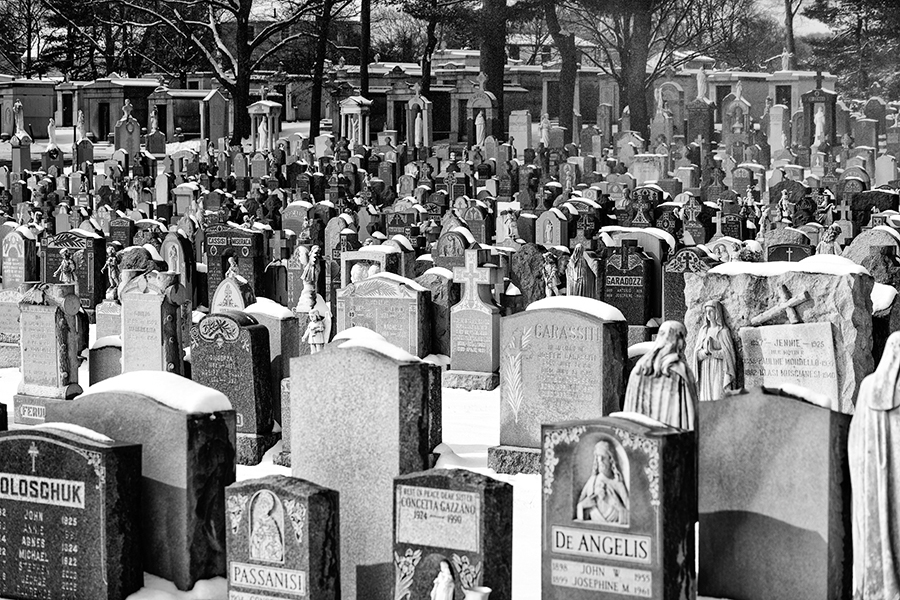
(588, 306)
(398, 279)
(270, 308)
(439, 271)
(824, 264)
(882, 297)
(667, 237)
(358, 332)
(77, 430)
(171, 390)
(384, 348)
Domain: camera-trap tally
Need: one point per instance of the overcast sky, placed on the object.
(802, 26)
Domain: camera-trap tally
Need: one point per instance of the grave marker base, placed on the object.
(10, 355)
(470, 380)
(514, 460)
(251, 446)
(32, 410)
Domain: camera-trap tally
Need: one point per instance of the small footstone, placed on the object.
(512, 460)
(470, 380)
(252, 447)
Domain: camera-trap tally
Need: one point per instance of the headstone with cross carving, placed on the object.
(794, 322)
(71, 517)
(475, 325)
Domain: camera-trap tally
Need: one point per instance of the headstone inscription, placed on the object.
(230, 353)
(828, 292)
(153, 322)
(619, 505)
(394, 397)
(452, 522)
(475, 325)
(562, 359)
(50, 340)
(787, 504)
(187, 434)
(69, 500)
(282, 539)
(393, 306)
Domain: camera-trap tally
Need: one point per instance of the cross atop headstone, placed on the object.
(789, 306)
(126, 109)
(278, 245)
(819, 79)
(474, 278)
(481, 79)
(264, 92)
(691, 211)
(417, 89)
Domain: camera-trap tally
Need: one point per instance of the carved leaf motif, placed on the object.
(405, 569)
(511, 371)
(297, 513)
(469, 574)
(235, 506)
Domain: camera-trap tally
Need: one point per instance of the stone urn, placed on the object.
(477, 593)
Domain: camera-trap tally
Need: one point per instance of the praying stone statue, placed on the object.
(19, 119)
(551, 275)
(79, 127)
(874, 455)
(154, 120)
(262, 132)
(544, 128)
(479, 129)
(661, 385)
(819, 122)
(714, 356)
(51, 134)
(419, 138)
(702, 84)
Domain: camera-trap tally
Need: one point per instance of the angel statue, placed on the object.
(312, 264)
(111, 268)
(79, 127)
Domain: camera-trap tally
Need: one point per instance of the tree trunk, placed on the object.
(364, 43)
(789, 34)
(565, 44)
(315, 102)
(635, 75)
(493, 55)
(430, 44)
(240, 100)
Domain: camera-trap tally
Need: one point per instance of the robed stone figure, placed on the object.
(661, 385)
(874, 453)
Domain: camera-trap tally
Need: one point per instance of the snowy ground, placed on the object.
(471, 423)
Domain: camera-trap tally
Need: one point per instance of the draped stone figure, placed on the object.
(714, 358)
(874, 454)
(661, 385)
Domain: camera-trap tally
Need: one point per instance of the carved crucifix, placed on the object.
(789, 306)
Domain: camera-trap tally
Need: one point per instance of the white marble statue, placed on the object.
(480, 129)
(714, 357)
(262, 133)
(79, 127)
(819, 123)
(51, 133)
(544, 128)
(702, 84)
(419, 134)
(874, 453)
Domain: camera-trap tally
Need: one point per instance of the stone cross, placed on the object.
(33, 453)
(475, 279)
(819, 79)
(789, 307)
(417, 89)
(481, 79)
(278, 245)
(691, 211)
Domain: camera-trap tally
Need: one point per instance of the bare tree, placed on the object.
(629, 32)
(235, 40)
